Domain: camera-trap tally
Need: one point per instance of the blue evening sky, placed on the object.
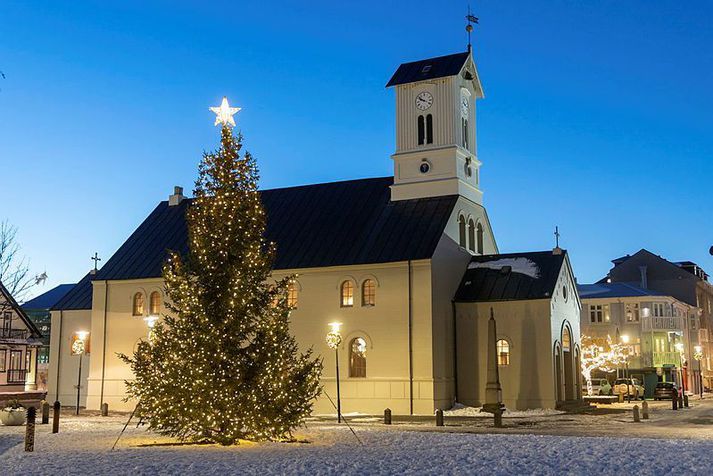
(597, 115)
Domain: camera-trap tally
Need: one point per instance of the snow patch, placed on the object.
(519, 265)
(464, 411)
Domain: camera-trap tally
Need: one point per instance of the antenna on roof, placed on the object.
(469, 27)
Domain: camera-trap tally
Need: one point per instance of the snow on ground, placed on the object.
(519, 265)
(461, 410)
(83, 447)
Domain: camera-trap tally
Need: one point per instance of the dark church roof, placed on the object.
(79, 297)
(48, 299)
(511, 276)
(431, 68)
(331, 224)
(613, 290)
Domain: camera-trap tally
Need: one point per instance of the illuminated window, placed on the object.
(357, 358)
(347, 297)
(155, 303)
(503, 348)
(292, 295)
(368, 293)
(471, 235)
(566, 340)
(138, 308)
(632, 312)
(659, 309)
(461, 231)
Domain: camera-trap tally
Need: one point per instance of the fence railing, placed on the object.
(663, 323)
(16, 376)
(13, 333)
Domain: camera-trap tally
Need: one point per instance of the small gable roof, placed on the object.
(48, 299)
(34, 331)
(331, 224)
(431, 68)
(613, 290)
(511, 277)
(77, 298)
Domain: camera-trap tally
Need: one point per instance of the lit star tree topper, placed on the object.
(224, 113)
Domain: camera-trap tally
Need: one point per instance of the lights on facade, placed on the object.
(334, 338)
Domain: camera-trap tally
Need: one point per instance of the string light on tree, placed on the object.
(221, 364)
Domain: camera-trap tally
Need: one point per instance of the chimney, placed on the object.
(644, 278)
(177, 196)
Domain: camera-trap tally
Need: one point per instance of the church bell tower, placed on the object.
(436, 147)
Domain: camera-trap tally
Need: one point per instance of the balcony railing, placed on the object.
(13, 334)
(16, 376)
(662, 324)
(667, 358)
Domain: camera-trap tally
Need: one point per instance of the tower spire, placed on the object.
(471, 19)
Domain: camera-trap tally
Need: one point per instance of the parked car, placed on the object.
(600, 386)
(665, 391)
(636, 389)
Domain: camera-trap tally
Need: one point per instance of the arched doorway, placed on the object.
(568, 362)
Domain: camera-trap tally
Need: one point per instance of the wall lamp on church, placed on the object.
(150, 323)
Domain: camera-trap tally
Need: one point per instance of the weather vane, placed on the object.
(224, 113)
(472, 19)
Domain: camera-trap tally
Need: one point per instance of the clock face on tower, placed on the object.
(424, 100)
(464, 109)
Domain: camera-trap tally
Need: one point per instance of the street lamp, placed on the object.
(698, 355)
(79, 347)
(151, 322)
(679, 348)
(625, 341)
(334, 339)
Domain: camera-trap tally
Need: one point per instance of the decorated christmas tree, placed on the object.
(221, 365)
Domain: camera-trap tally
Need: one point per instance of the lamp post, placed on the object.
(625, 341)
(679, 347)
(334, 339)
(79, 348)
(698, 356)
(150, 323)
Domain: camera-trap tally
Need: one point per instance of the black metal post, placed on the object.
(79, 381)
(30, 430)
(55, 417)
(339, 396)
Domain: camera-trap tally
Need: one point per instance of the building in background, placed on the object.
(19, 342)
(660, 331)
(38, 310)
(684, 281)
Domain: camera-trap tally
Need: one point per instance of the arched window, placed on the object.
(503, 349)
(357, 358)
(429, 129)
(464, 125)
(368, 293)
(421, 130)
(566, 340)
(479, 235)
(461, 231)
(292, 295)
(138, 307)
(471, 235)
(347, 294)
(155, 303)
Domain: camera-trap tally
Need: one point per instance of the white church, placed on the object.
(408, 265)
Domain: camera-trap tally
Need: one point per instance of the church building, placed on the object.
(384, 257)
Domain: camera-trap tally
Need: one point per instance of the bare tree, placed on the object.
(14, 268)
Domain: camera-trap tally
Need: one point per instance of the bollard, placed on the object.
(645, 410)
(439, 417)
(30, 429)
(105, 409)
(680, 401)
(674, 402)
(498, 419)
(55, 417)
(685, 401)
(387, 416)
(621, 397)
(45, 412)
(636, 414)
